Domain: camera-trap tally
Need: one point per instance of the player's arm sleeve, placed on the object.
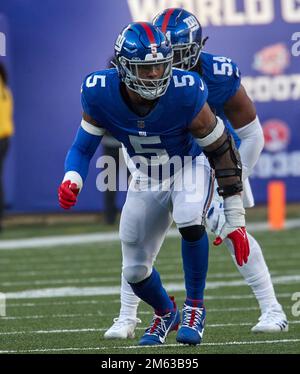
(252, 144)
(201, 94)
(241, 113)
(78, 158)
(87, 139)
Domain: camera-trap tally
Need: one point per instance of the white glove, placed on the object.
(234, 215)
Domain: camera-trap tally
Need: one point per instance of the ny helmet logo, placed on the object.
(119, 42)
(192, 23)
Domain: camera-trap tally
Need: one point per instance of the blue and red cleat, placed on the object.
(192, 327)
(160, 327)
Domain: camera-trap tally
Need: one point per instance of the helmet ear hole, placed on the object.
(194, 49)
(123, 62)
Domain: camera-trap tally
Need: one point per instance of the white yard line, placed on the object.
(100, 280)
(105, 270)
(117, 300)
(115, 290)
(79, 331)
(279, 341)
(50, 316)
(28, 274)
(114, 279)
(87, 315)
(53, 241)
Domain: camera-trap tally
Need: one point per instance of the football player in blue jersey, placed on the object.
(159, 115)
(228, 99)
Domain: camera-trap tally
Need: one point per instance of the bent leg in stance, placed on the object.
(144, 223)
(189, 209)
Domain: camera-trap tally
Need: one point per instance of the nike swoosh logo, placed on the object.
(243, 234)
(202, 85)
(201, 333)
(162, 340)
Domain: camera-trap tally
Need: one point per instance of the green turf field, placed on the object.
(76, 324)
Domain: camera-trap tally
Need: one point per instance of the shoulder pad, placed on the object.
(95, 85)
(219, 68)
(186, 85)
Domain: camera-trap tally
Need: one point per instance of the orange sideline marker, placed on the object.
(276, 205)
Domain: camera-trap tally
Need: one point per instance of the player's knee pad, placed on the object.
(136, 273)
(192, 233)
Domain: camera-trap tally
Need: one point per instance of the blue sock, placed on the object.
(195, 265)
(152, 292)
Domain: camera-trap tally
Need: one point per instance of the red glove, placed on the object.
(240, 243)
(67, 194)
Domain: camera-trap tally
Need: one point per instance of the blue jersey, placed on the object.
(223, 79)
(162, 132)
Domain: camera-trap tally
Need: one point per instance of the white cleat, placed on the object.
(272, 320)
(122, 328)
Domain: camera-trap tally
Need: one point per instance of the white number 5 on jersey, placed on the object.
(93, 80)
(185, 80)
(138, 143)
